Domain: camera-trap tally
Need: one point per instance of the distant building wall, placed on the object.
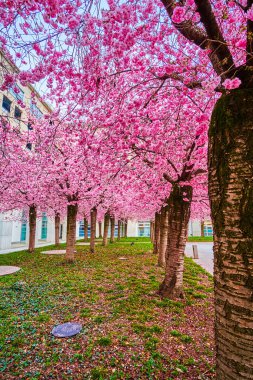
(16, 232)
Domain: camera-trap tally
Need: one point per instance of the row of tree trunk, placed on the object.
(71, 229)
(109, 220)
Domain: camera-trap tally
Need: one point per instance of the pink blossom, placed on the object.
(250, 13)
(178, 15)
(230, 84)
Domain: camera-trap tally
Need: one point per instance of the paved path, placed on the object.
(6, 269)
(55, 252)
(25, 247)
(205, 251)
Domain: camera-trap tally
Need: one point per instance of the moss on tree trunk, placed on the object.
(230, 161)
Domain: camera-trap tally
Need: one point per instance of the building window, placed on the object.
(144, 228)
(208, 231)
(6, 105)
(23, 231)
(61, 231)
(17, 92)
(44, 226)
(81, 229)
(35, 111)
(17, 113)
(23, 227)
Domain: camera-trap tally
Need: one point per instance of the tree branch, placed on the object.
(249, 48)
(218, 44)
(220, 55)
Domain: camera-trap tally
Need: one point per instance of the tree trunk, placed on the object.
(100, 229)
(57, 221)
(178, 218)
(106, 228)
(164, 223)
(230, 161)
(112, 219)
(32, 228)
(93, 222)
(125, 228)
(157, 234)
(85, 229)
(122, 228)
(202, 228)
(152, 232)
(71, 232)
(119, 232)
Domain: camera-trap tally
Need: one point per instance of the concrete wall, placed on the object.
(5, 234)
(132, 228)
(194, 228)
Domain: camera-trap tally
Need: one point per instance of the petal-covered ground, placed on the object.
(128, 331)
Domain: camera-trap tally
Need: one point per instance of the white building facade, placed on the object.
(15, 234)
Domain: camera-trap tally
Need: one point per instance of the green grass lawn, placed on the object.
(200, 238)
(128, 331)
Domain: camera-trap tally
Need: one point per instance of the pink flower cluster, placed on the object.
(178, 15)
(250, 13)
(231, 84)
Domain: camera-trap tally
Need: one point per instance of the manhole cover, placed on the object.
(66, 330)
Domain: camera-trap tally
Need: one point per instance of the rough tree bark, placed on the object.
(100, 230)
(152, 232)
(178, 218)
(71, 232)
(85, 228)
(32, 228)
(202, 228)
(122, 228)
(230, 161)
(125, 228)
(57, 220)
(119, 232)
(93, 222)
(106, 228)
(156, 233)
(164, 223)
(112, 219)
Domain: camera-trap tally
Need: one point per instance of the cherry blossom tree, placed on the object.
(191, 46)
(22, 177)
